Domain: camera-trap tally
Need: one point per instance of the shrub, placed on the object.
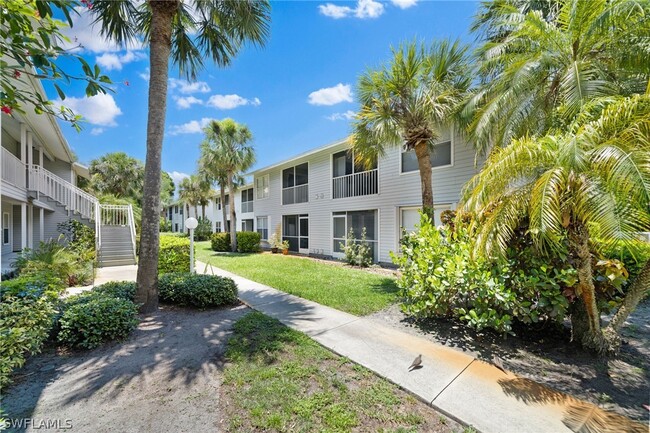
(220, 241)
(80, 238)
(25, 324)
(54, 260)
(195, 290)
(248, 242)
(118, 289)
(165, 225)
(32, 286)
(357, 251)
(174, 255)
(203, 231)
(90, 320)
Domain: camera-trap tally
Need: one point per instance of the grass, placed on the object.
(351, 290)
(279, 380)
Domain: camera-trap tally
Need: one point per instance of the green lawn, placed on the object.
(279, 380)
(355, 291)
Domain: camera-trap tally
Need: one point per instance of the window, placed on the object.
(247, 200)
(175, 209)
(247, 225)
(440, 157)
(181, 210)
(263, 227)
(5, 228)
(176, 227)
(410, 217)
(295, 230)
(351, 179)
(343, 163)
(262, 187)
(217, 227)
(343, 222)
(294, 184)
(217, 203)
(170, 213)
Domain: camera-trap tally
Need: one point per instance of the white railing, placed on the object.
(13, 169)
(114, 215)
(295, 194)
(356, 184)
(61, 191)
(247, 206)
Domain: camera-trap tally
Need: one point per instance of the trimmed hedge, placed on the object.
(25, 324)
(118, 289)
(95, 318)
(196, 290)
(174, 254)
(33, 286)
(247, 242)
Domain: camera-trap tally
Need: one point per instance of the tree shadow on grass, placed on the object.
(386, 286)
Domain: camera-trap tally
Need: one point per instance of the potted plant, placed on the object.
(275, 243)
(285, 247)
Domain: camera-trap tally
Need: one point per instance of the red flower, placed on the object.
(16, 73)
(126, 83)
(6, 109)
(87, 3)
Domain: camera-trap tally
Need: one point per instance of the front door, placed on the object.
(295, 229)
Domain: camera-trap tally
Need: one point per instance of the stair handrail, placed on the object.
(98, 226)
(132, 227)
(68, 193)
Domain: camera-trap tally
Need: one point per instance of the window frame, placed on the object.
(7, 227)
(257, 229)
(294, 182)
(265, 194)
(452, 159)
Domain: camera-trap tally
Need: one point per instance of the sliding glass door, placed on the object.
(344, 222)
(295, 229)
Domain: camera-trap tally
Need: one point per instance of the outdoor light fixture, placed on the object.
(191, 223)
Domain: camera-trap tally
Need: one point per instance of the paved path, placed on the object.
(465, 388)
(104, 275)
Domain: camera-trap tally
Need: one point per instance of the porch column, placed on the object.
(23, 148)
(30, 226)
(23, 225)
(41, 223)
(30, 157)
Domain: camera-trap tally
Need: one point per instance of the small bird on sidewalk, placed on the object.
(417, 363)
(498, 363)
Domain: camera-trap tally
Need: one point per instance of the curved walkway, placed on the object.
(465, 388)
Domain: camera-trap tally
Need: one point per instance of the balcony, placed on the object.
(295, 194)
(13, 170)
(356, 184)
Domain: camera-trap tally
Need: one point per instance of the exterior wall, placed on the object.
(9, 143)
(8, 207)
(17, 230)
(60, 168)
(396, 190)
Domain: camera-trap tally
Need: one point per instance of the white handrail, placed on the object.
(132, 225)
(115, 215)
(98, 232)
(355, 184)
(13, 169)
(67, 194)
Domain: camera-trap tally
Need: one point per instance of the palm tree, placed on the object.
(226, 153)
(407, 102)
(596, 174)
(117, 174)
(187, 32)
(542, 61)
(188, 193)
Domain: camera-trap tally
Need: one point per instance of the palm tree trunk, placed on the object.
(233, 216)
(224, 215)
(203, 210)
(637, 291)
(423, 154)
(159, 51)
(585, 317)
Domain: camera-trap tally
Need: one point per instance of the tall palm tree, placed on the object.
(226, 153)
(118, 174)
(187, 32)
(189, 193)
(408, 101)
(596, 174)
(542, 61)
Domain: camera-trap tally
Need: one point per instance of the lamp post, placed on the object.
(191, 223)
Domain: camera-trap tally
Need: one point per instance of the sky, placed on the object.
(295, 94)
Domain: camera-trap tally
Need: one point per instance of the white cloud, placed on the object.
(96, 131)
(178, 176)
(331, 95)
(184, 102)
(191, 127)
(228, 102)
(186, 87)
(404, 4)
(348, 115)
(334, 11)
(145, 75)
(100, 109)
(112, 61)
(87, 35)
(364, 9)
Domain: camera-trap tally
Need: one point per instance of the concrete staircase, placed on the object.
(117, 246)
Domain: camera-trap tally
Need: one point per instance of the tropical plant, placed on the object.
(194, 191)
(187, 32)
(408, 101)
(357, 251)
(596, 175)
(226, 153)
(542, 61)
(117, 174)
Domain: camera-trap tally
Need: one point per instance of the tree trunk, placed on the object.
(187, 215)
(585, 317)
(635, 294)
(159, 51)
(423, 154)
(233, 216)
(196, 211)
(224, 214)
(203, 210)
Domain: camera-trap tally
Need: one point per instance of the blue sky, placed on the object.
(294, 94)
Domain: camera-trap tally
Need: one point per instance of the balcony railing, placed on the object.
(356, 184)
(13, 169)
(247, 206)
(61, 191)
(295, 194)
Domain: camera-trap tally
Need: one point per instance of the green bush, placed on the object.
(357, 251)
(118, 289)
(174, 254)
(248, 242)
(54, 260)
(165, 225)
(195, 290)
(80, 238)
(25, 324)
(203, 231)
(221, 241)
(33, 286)
(89, 320)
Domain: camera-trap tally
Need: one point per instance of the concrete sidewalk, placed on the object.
(104, 275)
(470, 390)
